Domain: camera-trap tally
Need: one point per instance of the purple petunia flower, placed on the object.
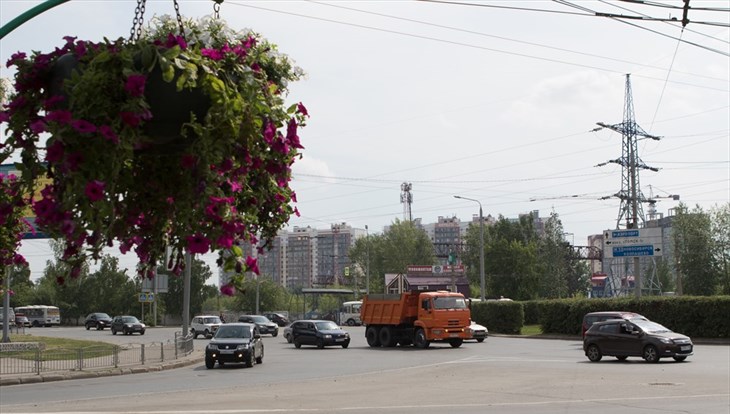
(108, 133)
(302, 109)
(61, 116)
(252, 264)
(198, 243)
(135, 85)
(228, 290)
(130, 118)
(83, 126)
(212, 54)
(94, 190)
(54, 152)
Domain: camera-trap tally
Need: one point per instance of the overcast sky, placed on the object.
(495, 101)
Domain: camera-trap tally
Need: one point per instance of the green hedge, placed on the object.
(499, 316)
(695, 316)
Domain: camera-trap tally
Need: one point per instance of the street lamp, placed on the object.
(481, 244)
(367, 261)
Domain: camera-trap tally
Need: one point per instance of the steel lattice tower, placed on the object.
(630, 210)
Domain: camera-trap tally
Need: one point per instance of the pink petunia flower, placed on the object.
(198, 243)
(95, 190)
(54, 152)
(60, 116)
(302, 109)
(130, 118)
(108, 133)
(135, 85)
(228, 290)
(83, 126)
(252, 264)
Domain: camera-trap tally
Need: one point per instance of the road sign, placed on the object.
(146, 297)
(148, 285)
(632, 242)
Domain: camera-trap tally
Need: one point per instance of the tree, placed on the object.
(271, 296)
(721, 237)
(111, 290)
(402, 245)
(697, 267)
(21, 286)
(173, 299)
(554, 258)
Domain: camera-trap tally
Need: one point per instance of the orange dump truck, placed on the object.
(416, 318)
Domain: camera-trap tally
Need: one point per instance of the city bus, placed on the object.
(41, 315)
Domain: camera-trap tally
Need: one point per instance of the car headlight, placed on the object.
(242, 347)
(666, 341)
(347, 334)
(327, 336)
(211, 347)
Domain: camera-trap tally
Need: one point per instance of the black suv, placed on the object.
(278, 318)
(235, 342)
(98, 320)
(265, 325)
(320, 333)
(637, 337)
(127, 325)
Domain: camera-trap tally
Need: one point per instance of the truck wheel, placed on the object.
(386, 337)
(419, 339)
(373, 337)
(455, 343)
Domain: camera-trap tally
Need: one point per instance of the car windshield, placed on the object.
(230, 331)
(327, 326)
(649, 326)
(212, 320)
(102, 315)
(130, 319)
(260, 319)
(449, 302)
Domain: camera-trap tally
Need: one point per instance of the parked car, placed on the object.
(635, 337)
(320, 333)
(278, 319)
(266, 327)
(593, 317)
(22, 321)
(235, 342)
(127, 325)
(98, 320)
(478, 332)
(205, 325)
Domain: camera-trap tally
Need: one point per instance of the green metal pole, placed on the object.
(35, 11)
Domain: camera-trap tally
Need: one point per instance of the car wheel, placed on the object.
(195, 334)
(455, 343)
(260, 358)
(350, 322)
(275, 334)
(101, 327)
(480, 339)
(680, 358)
(288, 338)
(141, 332)
(114, 331)
(320, 343)
(419, 339)
(209, 363)
(345, 345)
(88, 327)
(126, 331)
(371, 334)
(206, 334)
(622, 358)
(297, 344)
(650, 354)
(250, 360)
(593, 353)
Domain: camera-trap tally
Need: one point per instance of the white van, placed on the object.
(350, 313)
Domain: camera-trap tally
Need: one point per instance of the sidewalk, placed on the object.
(195, 357)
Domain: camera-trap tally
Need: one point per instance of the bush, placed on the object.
(499, 316)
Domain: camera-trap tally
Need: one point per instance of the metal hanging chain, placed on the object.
(217, 8)
(179, 19)
(136, 31)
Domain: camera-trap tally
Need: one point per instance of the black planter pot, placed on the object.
(170, 108)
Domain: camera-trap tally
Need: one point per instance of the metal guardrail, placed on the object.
(37, 361)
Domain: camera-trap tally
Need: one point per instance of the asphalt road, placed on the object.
(500, 375)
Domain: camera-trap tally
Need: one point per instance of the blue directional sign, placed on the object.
(632, 251)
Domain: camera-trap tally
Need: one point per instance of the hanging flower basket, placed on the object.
(169, 140)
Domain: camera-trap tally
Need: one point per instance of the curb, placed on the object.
(191, 359)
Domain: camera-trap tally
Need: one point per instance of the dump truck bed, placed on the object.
(389, 309)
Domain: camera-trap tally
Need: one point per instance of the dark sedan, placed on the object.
(319, 333)
(98, 320)
(235, 342)
(635, 338)
(266, 327)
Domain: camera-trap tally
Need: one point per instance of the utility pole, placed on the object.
(406, 198)
(631, 196)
